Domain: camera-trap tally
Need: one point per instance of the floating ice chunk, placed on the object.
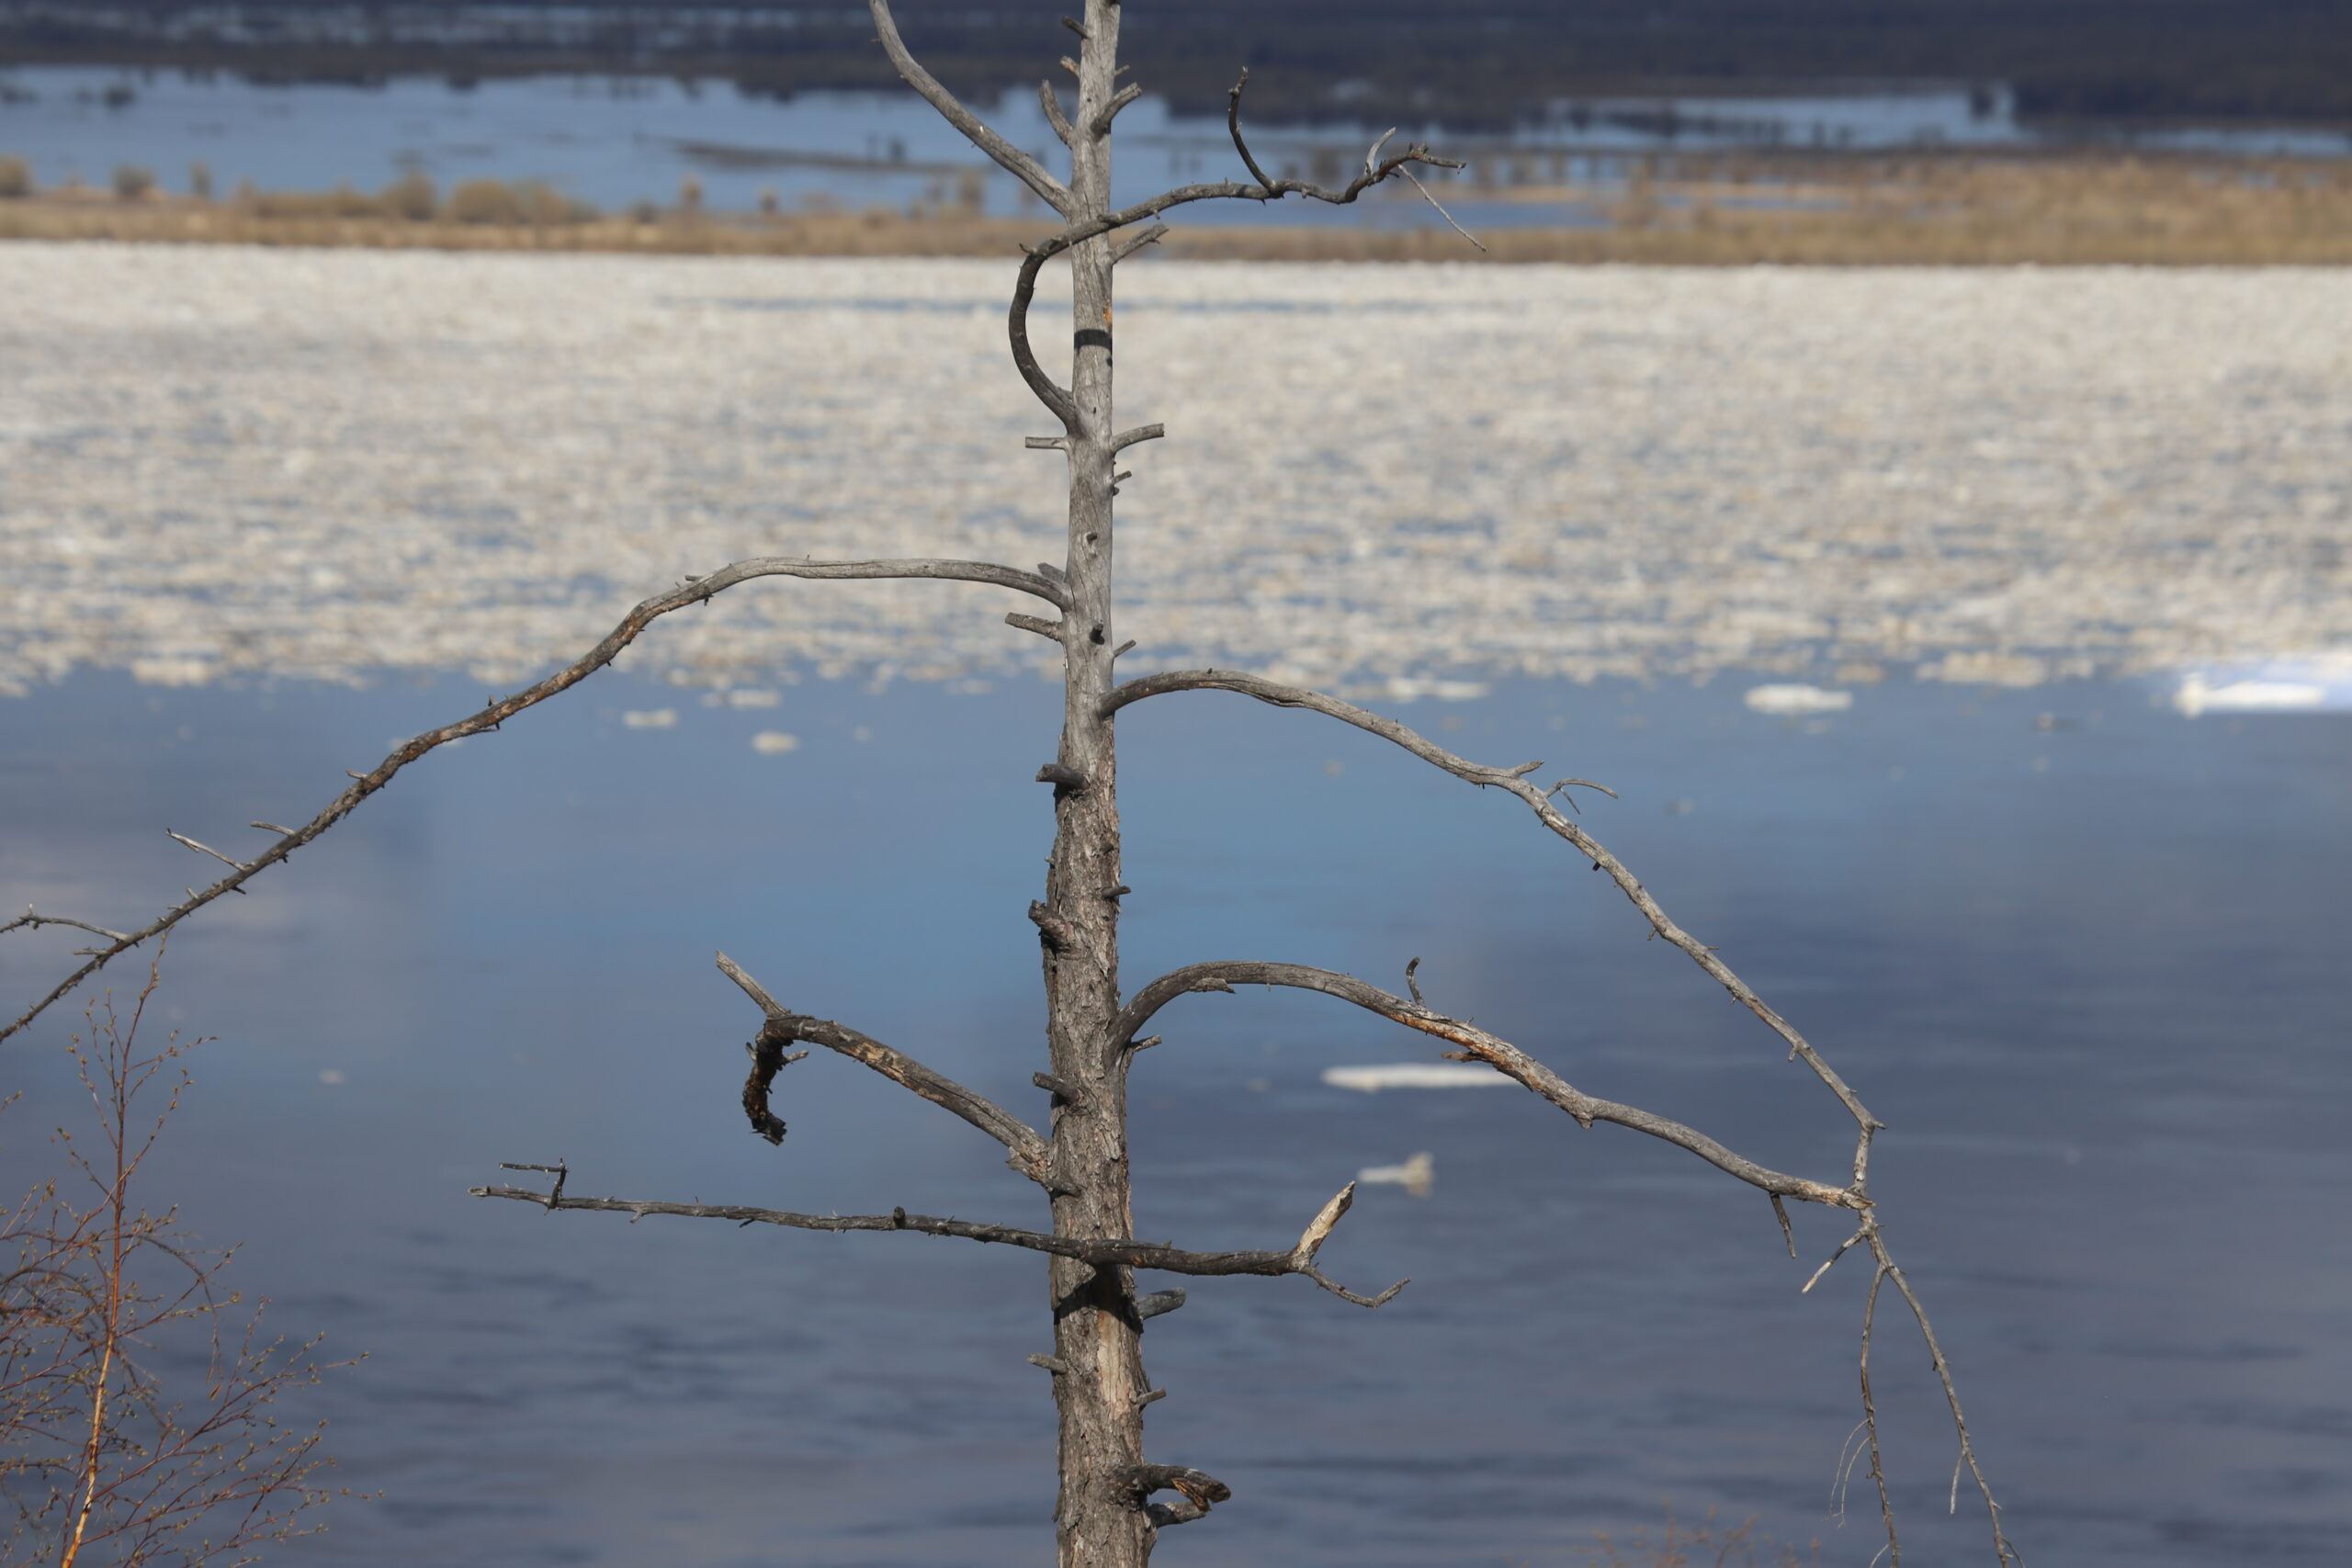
(774, 742)
(2247, 696)
(1408, 689)
(651, 718)
(1797, 699)
(1414, 1176)
(172, 671)
(753, 697)
(1981, 669)
(1413, 1075)
(2304, 683)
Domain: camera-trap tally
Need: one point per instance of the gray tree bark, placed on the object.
(1097, 1335)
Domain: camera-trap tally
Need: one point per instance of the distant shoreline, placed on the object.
(1480, 65)
(1706, 211)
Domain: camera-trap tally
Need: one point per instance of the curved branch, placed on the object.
(1099, 1252)
(1022, 166)
(1233, 124)
(1101, 124)
(33, 919)
(1149, 235)
(1030, 1153)
(1017, 327)
(1473, 1044)
(696, 590)
(1280, 696)
(1054, 116)
(1538, 800)
(1055, 397)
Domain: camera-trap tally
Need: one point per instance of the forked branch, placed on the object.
(1029, 1152)
(1473, 1044)
(1477, 1045)
(695, 590)
(1887, 1270)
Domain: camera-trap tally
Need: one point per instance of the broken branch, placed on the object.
(1028, 1150)
(1095, 1251)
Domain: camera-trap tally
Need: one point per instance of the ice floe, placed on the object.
(1413, 1075)
(2321, 684)
(1415, 1175)
(1410, 481)
(1795, 699)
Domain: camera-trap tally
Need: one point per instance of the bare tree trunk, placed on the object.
(1105, 1514)
(1097, 1336)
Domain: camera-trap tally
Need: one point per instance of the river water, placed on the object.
(2079, 943)
(2089, 966)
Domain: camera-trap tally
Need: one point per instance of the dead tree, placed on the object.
(1108, 1513)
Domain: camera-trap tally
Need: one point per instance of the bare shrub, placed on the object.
(199, 181)
(103, 1453)
(411, 197)
(529, 201)
(132, 183)
(483, 201)
(542, 203)
(16, 178)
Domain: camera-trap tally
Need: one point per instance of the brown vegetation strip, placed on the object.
(1715, 211)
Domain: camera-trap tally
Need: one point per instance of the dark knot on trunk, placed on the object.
(1197, 1488)
(1053, 930)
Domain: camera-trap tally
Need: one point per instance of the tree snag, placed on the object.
(1106, 1517)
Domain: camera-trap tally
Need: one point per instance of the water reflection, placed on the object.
(2090, 971)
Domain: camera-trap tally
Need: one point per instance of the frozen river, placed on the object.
(327, 464)
(2083, 949)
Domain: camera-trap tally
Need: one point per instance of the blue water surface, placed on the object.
(2085, 956)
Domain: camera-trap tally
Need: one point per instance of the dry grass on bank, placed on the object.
(1714, 211)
